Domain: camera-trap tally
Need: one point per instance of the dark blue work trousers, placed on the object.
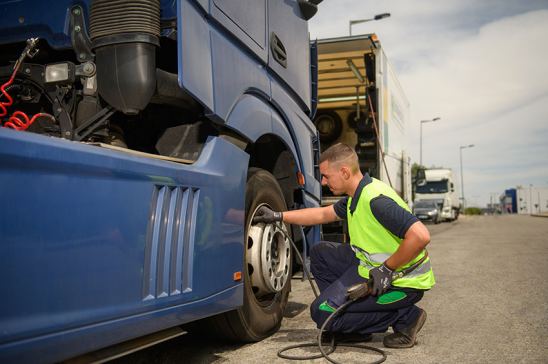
(335, 269)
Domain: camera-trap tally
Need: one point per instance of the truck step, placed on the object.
(126, 347)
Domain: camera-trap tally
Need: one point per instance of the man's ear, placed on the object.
(345, 171)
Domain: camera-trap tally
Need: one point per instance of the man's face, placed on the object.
(333, 178)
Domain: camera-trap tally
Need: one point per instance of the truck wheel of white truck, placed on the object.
(267, 267)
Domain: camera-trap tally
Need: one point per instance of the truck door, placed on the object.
(246, 21)
(288, 46)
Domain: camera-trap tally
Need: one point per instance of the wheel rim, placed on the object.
(268, 257)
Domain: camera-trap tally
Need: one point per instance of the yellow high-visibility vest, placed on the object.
(373, 243)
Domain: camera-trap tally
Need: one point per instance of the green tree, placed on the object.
(472, 211)
(414, 168)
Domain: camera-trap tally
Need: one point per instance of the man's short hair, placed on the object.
(341, 154)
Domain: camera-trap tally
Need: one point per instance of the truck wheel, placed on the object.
(267, 266)
(329, 126)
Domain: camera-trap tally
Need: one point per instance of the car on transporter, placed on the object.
(138, 139)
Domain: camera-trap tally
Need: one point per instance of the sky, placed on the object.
(479, 65)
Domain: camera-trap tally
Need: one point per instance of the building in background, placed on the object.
(531, 200)
(508, 201)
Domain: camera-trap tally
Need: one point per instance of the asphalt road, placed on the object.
(490, 304)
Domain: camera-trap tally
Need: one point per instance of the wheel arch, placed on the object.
(271, 144)
(272, 154)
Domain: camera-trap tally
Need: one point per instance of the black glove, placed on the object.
(381, 278)
(266, 215)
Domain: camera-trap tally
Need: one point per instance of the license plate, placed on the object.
(423, 216)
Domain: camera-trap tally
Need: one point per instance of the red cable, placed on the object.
(16, 123)
(4, 104)
(18, 120)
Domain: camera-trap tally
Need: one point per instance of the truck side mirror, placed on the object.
(308, 9)
(452, 187)
(421, 177)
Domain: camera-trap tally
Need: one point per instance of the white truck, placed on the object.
(361, 103)
(437, 186)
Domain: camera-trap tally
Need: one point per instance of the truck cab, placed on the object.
(437, 186)
(137, 141)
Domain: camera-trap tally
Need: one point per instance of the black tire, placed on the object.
(256, 319)
(329, 126)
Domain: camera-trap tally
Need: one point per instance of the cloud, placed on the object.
(491, 90)
(510, 150)
(500, 68)
(478, 65)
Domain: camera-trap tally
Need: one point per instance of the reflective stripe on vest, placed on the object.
(373, 258)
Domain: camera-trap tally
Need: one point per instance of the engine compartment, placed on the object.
(117, 87)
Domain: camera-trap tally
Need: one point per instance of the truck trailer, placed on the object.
(362, 104)
(137, 140)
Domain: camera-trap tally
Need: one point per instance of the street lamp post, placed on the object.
(359, 21)
(422, 122)
(461, 174)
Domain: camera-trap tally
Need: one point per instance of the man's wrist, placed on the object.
(387, 265)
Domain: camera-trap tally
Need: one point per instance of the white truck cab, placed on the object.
(438, 185)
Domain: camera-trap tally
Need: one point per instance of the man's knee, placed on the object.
(318, 315)
(318, 249)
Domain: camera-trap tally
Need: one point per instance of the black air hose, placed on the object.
(119, 17)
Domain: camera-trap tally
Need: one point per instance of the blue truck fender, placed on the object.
(251, 117)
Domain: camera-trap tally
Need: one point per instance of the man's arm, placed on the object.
(403, 224)
(415, 240)
(310, 216)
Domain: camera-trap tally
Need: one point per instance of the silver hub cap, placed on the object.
(268, 258)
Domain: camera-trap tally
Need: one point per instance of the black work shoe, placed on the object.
(406, 337)
(345, 337)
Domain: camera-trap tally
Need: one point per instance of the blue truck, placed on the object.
(137, 140)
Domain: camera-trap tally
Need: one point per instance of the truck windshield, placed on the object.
(433, 187)
(425, 204)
